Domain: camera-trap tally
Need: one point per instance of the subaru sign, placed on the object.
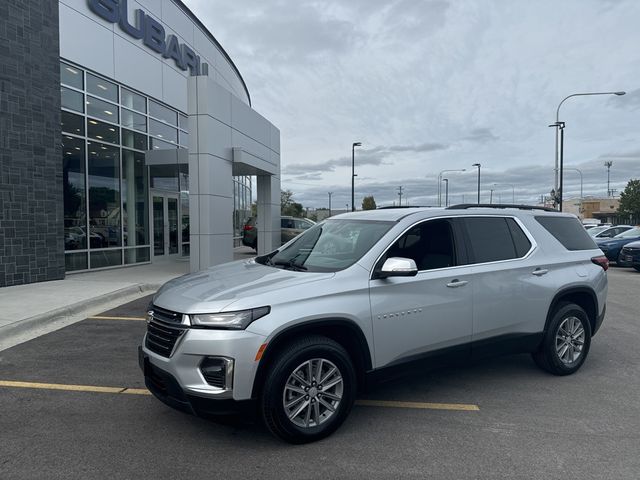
(149, 30)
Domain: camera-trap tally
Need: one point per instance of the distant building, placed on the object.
(603, 209)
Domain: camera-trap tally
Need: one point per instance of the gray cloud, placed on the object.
(481, 135)
(371, 156)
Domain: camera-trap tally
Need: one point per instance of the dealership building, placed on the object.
(127, 136)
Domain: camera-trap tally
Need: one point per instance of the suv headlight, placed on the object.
(228, 320)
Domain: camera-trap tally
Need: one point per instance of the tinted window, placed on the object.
(568, 231)
(489, 239)
(429, 244)
(520, 240)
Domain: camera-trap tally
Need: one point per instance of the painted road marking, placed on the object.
(144, 391)
(419, 405)
(116, 318)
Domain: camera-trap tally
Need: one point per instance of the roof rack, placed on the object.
(402, 206)
(465, 206)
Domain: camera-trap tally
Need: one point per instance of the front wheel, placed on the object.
(566, 343)
(309, 390)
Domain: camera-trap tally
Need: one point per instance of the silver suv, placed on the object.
(298, 332)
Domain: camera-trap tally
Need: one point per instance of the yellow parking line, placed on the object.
(144, 391)
(418, 405)
(136, 391)
(116, 318)
(60, 386)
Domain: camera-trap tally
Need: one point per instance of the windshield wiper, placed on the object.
(291, 265)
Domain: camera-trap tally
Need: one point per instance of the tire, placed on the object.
(555, 355)
(284, 395)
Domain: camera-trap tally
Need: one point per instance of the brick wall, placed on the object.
(31, 204)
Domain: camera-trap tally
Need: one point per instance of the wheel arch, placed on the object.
(346, 332)
(585, 297)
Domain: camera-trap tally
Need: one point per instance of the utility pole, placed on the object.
(400, 195)
(608, 165)
(330, 193)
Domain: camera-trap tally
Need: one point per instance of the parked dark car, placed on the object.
(612, 247)
(630, 255)
(291, 227)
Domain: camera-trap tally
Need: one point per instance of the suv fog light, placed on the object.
(217, 372)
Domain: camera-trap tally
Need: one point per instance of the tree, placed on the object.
(369, 203)
(288, 206)
(630, 201)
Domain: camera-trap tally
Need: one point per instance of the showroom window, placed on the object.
(106, 131)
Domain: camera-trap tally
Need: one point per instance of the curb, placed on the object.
(76, 309)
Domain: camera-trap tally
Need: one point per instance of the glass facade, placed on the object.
(117, 210)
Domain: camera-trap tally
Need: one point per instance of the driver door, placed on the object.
(415, 316)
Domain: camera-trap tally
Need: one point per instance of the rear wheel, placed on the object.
(566, 343)
(309, 390)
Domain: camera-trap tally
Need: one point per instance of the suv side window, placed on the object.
(430, 244)
(568, 231)
(492, 239)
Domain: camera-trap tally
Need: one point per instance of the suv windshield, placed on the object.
(328, 246)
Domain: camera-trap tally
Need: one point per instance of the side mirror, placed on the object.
(398, 267)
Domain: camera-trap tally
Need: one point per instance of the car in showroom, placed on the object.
(612, 247)
(295, 334)
(290, 227)
(630, 255)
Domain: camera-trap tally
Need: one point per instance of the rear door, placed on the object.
(415, 316)
(510, 295)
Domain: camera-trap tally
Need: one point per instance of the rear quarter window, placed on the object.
(568, 231)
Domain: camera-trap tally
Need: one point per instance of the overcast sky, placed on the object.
(435, 84)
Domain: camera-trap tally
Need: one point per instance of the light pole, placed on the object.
(330, 193)
(478, 165)
(513, 190)
(581, 184)
(608, 165)
(490, 196)
(446, 191)
(353, 174)
(440, 183)
(560, 140)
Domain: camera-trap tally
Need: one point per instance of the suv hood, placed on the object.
(215, 288)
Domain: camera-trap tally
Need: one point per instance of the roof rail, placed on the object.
(402, 206)
(465, 206)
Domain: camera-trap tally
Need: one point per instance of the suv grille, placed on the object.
(163, 331)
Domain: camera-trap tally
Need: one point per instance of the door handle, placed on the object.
(538, 272)
(457, 283)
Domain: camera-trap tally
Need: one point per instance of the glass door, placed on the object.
(165, 223)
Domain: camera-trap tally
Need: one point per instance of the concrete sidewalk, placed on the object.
(27, 311)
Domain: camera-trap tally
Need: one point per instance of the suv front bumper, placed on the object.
(166, 388)
(179, 380)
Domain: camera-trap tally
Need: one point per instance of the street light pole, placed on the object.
(560, 140)
(581, 185)
(513, 190)
(446, 190)
(478, 165)
(353, 174)
(330, 193)
(440, 183)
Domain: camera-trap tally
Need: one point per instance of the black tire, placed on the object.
(548, 357)
(637, 268)
(273, 396)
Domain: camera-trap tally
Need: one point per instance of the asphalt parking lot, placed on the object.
(527, 424)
